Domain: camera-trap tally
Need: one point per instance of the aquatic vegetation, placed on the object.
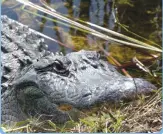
(141, 38)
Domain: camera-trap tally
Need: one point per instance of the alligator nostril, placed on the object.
(85, 95)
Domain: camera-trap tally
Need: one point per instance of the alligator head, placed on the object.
(80, 80)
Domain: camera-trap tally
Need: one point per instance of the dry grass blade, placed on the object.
(120, 35)
(142, 115)
(92, 31)
(104, 29)
(146, 116)
(116, 62)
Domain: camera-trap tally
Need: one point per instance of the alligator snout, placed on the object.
(115, 90)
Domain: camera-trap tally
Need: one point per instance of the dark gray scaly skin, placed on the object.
(37, 82)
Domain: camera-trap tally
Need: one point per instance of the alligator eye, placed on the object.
(59, 67)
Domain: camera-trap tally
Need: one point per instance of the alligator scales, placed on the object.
(36, 81)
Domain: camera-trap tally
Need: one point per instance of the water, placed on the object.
(141, 17)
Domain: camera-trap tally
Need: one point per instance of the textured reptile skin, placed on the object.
(37, 82)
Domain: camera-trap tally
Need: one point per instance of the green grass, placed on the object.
(141, 115)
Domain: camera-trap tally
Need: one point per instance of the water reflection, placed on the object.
(101, 12)
(96, 11)
(9, 12)
(142, 18)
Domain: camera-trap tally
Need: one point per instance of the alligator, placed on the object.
(37, 82)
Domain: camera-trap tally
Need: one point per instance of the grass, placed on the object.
(130, 41)
(141, 115)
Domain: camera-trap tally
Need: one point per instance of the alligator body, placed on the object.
(37, 82)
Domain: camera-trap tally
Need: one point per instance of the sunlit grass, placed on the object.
(141, 115)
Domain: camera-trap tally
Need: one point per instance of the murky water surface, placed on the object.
(129, 17)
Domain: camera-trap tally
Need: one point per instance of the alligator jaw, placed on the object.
(128, 88)
(86, 85)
